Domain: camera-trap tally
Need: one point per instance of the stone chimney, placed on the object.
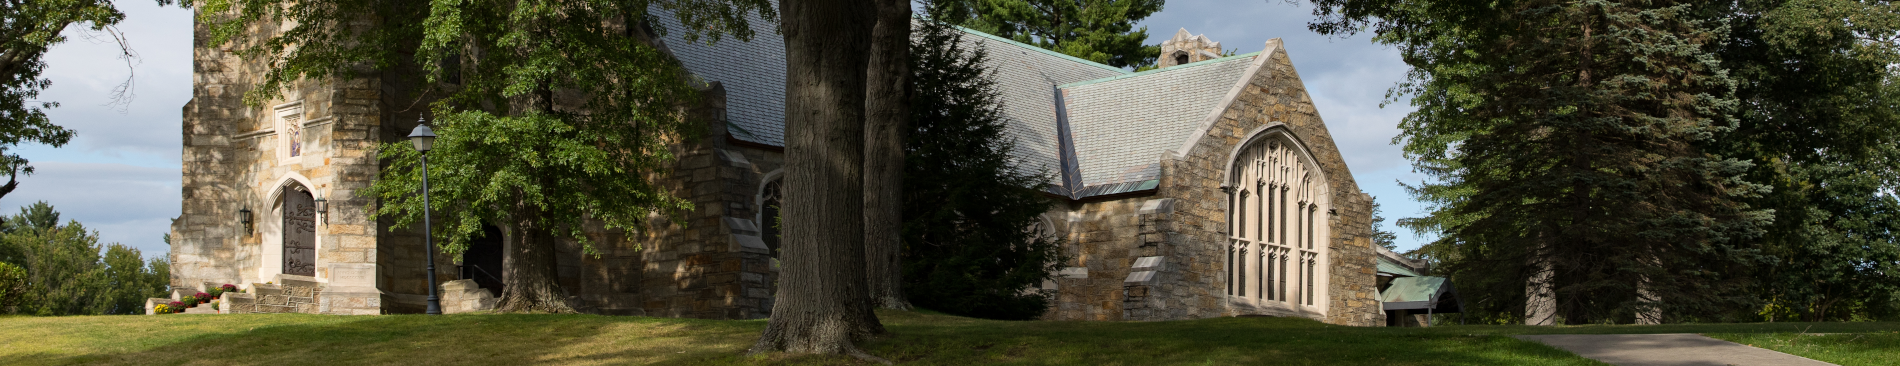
(1185, 48)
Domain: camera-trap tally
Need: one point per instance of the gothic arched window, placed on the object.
(1275, 196)
(771, 195)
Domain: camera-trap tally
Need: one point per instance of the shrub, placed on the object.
(228, 288)
(161, 309)
(214, 304)
(177, 306)
(188, 301)
(12, 287)
(202, 297)
(215, 292)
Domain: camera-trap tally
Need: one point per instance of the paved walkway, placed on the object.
(1667, 350)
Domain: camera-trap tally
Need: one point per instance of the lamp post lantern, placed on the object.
(424, 140)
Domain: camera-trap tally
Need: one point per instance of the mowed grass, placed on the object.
(1878, 348)
(920, 338)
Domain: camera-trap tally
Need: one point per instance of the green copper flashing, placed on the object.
(1181, 67)
(1039, 49)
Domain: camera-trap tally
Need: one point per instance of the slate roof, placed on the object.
(1026, 77)
(1122, 125)
(1114, 124)
(752, 72)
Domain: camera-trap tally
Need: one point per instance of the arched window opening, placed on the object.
(1180, 58)
(1277, 191)
(771, 195)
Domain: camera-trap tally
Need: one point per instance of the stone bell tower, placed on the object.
(1185, 48)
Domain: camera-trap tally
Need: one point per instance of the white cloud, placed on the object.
(120, 175)
(127, 204)
(84, 72)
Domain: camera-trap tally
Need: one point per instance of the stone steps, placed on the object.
(304, 294)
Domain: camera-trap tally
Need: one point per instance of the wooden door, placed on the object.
(300, 233)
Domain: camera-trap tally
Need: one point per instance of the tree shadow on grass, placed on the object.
(1219, 341)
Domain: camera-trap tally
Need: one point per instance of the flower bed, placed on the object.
(213, 297)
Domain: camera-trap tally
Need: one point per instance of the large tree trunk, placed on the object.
(530, 281)
(823, 304)
(888, 106)
(1540, 300)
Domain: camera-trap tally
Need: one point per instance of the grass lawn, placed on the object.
(920, 338)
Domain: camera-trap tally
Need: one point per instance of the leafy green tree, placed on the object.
(1569, 139)
(64, 272)
(1820, 113)
(971, 241)
(551, 113)
(1095, 30)
(12, 287)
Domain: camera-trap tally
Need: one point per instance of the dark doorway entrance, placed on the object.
(300, 232)
(482, 261)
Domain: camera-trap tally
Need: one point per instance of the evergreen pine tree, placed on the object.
(1381, 236)
(970, 244)
(1566, 143)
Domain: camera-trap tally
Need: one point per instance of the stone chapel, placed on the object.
(1207, 187)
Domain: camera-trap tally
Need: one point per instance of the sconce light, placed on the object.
(244, 217)
(323, 209)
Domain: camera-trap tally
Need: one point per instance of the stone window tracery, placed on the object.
(1278, 192)
(771, 195)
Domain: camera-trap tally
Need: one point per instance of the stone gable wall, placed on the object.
(1182, 226)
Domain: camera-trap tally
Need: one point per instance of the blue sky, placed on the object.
(120, 176)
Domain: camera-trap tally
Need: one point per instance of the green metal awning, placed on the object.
(1422, 292)
(1389, 268)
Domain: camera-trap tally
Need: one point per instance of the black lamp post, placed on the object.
(425, 139)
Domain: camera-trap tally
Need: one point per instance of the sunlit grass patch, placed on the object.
(921, 338)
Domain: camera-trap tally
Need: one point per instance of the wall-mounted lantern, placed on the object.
(244, 217)
(323, 209)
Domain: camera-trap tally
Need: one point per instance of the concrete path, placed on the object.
(1666, 350)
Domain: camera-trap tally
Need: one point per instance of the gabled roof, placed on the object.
(753, 74)
(1124, 123)
(1111, 125)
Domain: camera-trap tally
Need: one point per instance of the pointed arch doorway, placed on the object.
(299, 231)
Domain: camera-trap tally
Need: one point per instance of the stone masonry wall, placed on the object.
(1178, 235)
(1276, 95)
(232, 161)
(710, 265)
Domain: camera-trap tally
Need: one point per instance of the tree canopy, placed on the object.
(62, 269)
(1681, 159)
(1095, 30)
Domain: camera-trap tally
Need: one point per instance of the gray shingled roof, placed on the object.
(754, 76)
(752, 72)
(1026, 77)
(1119, 123)
(1122, 125)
